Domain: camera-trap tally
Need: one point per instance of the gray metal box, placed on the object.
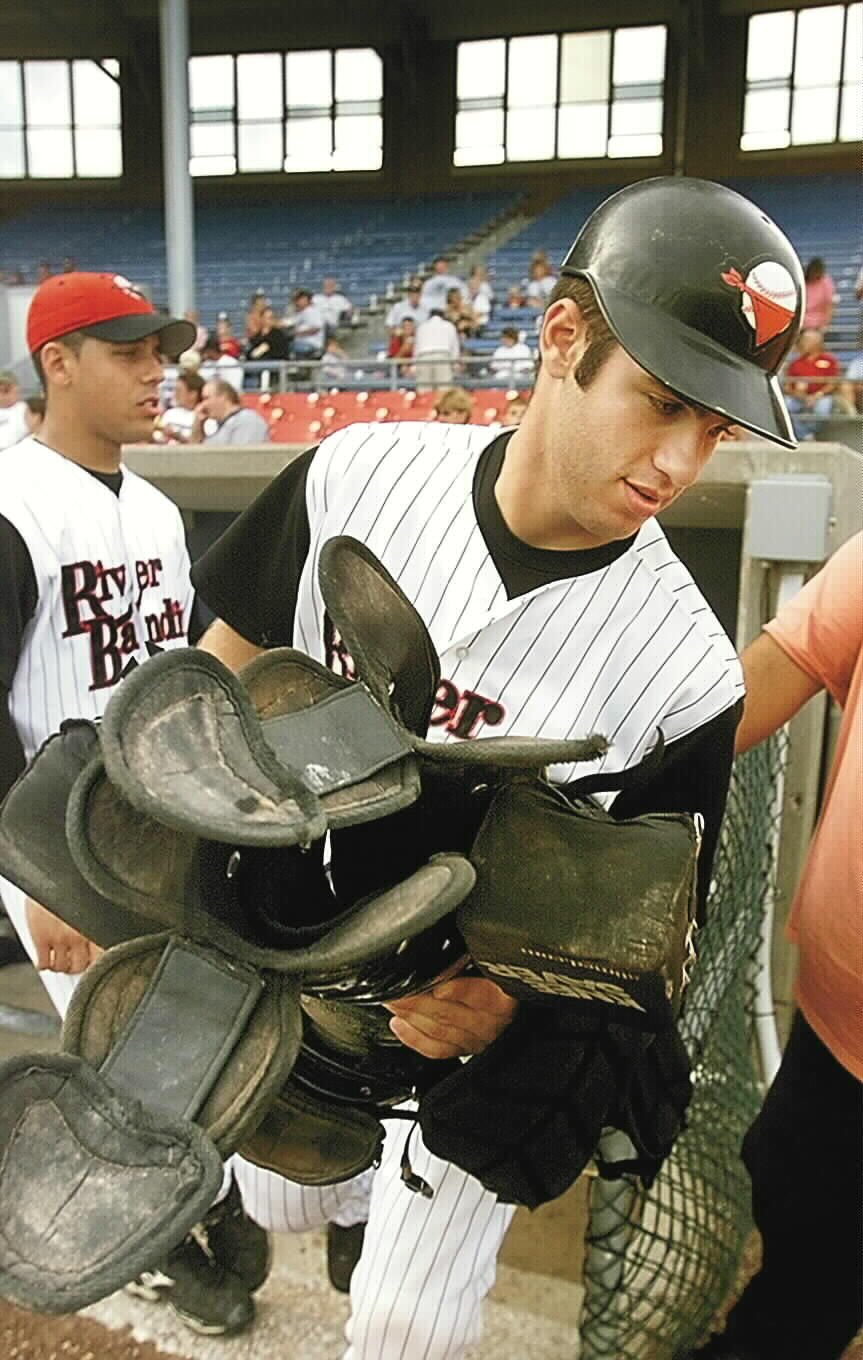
(788, 517)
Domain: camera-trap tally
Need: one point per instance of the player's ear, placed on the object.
(563, 338)
(56, 360)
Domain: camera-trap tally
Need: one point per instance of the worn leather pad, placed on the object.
(93, 1189)
(314, 1141)
(34, 853)
(571, 905)
(181, 740)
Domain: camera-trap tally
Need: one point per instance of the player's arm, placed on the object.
(776, 689)
(228, 645)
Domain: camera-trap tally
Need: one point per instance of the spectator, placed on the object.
(803, 1153)
(402, 340)
(820, 294)
(35, 413)
(514, 411)
(516, 298)
(178, 420)
(512, 359)
(436, 350)
(541, 283)
(257, 306)
(480, 296)
(13, 411)
(810, 382)
(228, 342)
(43, 271)
(307, 327)
(858, 285)
(217, 364)
(333, 306)
(69, 264)
(332, 370)
(453, 407)
(459, 312)
(435, 289)
(200, 331)
(409, 306)
(235, 423)
(852, 385)
(269, 342)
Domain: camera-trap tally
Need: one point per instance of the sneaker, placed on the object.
(344, 1248)
(236, 1241)
(210, 1300)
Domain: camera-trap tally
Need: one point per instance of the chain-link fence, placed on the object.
(660, 1263)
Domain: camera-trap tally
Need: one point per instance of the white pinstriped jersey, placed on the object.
(621, 651)
(112, 576)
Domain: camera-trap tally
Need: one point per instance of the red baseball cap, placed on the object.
(105, 306)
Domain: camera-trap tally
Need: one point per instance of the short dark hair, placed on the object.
(73, 341)
(193, 381)
(301, 292)
(35, 405)
(511, 331)
(601, 342)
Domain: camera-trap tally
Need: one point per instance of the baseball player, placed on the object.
(557, 609)
(94, 579)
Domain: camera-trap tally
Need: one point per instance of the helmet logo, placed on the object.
(769, 298)
(120, 282)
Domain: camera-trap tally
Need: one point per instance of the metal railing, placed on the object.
(371, 373)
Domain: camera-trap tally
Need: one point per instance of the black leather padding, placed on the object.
(93, 1187)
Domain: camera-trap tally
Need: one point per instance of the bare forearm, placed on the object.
(229, 646)
(776, 689)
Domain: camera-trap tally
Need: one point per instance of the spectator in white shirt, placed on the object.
(307, 327)
(541, 283)
(216, 364)
(408, 308)
(13, 411)
(235, 423)
(435, 288)
(436, 351)
(512, 360)
(333, 306)
(178, 420)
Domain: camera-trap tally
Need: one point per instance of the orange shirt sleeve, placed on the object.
(821, 628)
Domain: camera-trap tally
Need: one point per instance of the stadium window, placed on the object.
(804, 69)
(292, 111)
(563, 96)
(60, 119)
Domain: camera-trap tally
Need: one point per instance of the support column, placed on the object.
(179, 207)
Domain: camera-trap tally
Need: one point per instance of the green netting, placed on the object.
(659, 1263)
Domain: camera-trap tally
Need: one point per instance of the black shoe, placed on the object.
(344, 1248)
(236, 1241)
(210, 1300)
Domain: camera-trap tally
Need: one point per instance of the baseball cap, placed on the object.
(104, 306)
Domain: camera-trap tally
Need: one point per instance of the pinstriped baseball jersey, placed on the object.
(112, 575)
(622, 651)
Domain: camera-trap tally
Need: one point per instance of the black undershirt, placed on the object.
(250, 579)
(19, 596)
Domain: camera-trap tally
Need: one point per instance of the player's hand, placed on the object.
(455, 1018)
(59, 947)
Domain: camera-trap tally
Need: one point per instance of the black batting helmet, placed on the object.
(702, 290)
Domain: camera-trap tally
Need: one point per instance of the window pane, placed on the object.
(11, 104)
(308, 144)
(481, 69)
(818, 55)
(851, 120)
(766, 111)
(764, 141)
(635, 146)
(259, 86)
(854, 45)
(213, 165)
(259, 146)
(584, 67)
(308, 80)
(770, 48)
(532, 78)
(813, 117)
(359, 74)
(636, 116)
(11, 154)
(211, 82)
(530, 134)
(47, 87)
(358, 143)
(49, 153)
(98, 152)
(212, 139)
(582, 130)
(479, 137)
(97, 96)
(639, 55)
